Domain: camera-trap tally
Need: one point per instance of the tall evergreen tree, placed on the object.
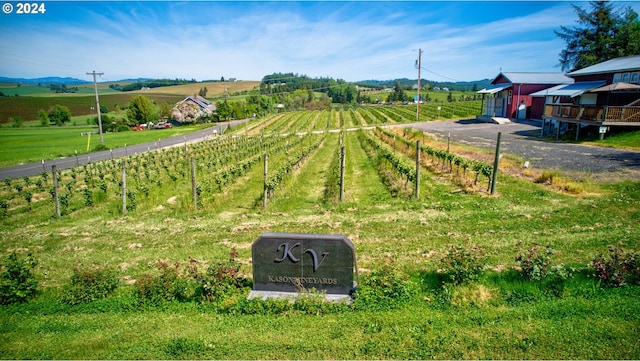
(604, 33)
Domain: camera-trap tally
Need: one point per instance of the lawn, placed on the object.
(31, 144)
(499, 314)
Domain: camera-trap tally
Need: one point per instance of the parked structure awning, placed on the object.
(492, 89)
(570, 90)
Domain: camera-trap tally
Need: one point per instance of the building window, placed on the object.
(625, 77)
(510, 96)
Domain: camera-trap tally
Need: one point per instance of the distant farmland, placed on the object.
(27, 107)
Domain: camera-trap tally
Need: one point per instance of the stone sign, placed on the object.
(289, 262)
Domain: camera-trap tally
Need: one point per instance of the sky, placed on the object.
(350, 40)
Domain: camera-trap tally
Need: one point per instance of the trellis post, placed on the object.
(494, 177)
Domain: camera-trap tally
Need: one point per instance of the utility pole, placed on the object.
(418, 102)
(95, 88)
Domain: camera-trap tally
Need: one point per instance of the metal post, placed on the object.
(124, 187)
(494, 178)
(266, 173)
(56, 199)
(417, 189)
(193, 184)
(342, 163)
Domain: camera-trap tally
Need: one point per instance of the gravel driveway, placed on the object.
(523, 138)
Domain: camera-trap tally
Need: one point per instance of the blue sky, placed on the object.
(461, 40)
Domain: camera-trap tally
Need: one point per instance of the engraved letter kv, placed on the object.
(286, 253)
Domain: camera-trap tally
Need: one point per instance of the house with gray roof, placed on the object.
(192, 108)
(602, 96)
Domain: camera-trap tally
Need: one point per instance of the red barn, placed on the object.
(508, 96)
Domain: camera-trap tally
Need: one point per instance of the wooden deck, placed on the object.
(595, 115)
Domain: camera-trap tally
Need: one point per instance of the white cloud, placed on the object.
(247, 40)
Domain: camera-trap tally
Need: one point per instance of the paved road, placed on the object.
(64, 163)
(523, 138)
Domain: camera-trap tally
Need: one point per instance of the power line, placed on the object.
(440, 75)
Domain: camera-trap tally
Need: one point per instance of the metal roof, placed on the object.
(492, 89)
(627, 63)
(569, 90)
(536, 78)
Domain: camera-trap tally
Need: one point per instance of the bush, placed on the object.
(100, 147)
(221, 278)
(618, 268)
(461, 264)
(534, 264)
(168, 286)
(17, 282)
(4, 208)
(384, 288)
(90, 284)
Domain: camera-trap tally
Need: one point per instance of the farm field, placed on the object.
(403, 310)
(33, 98)
(214, 88)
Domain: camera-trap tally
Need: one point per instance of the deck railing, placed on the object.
(607, 114)
(623, 114)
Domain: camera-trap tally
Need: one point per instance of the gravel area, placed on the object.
(522, 138)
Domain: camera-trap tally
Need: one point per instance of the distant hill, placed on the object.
(45, 81)
(408, 83)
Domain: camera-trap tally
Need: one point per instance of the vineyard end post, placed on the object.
(193, 184)
(56, 199)
(494, 177)
(342, 164)
(266, 173)
(124, 187)
(417, 189)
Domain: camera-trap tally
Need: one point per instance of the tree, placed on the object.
(43, 117)
(603, 34)
(165, 110)
(398, 94)
(224, 110)
(140, 110)
(59, 114)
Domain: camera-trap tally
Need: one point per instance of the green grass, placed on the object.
(30, 144)
(629, 140)
(498, 316)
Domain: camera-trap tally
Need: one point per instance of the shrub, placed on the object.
(4, 208)
(618, 268)
(90, 284)
(17, 282)
(461, 264)
(221, 278)
(168, 286)
(384, 288)
(534, 264)
(100, 147)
